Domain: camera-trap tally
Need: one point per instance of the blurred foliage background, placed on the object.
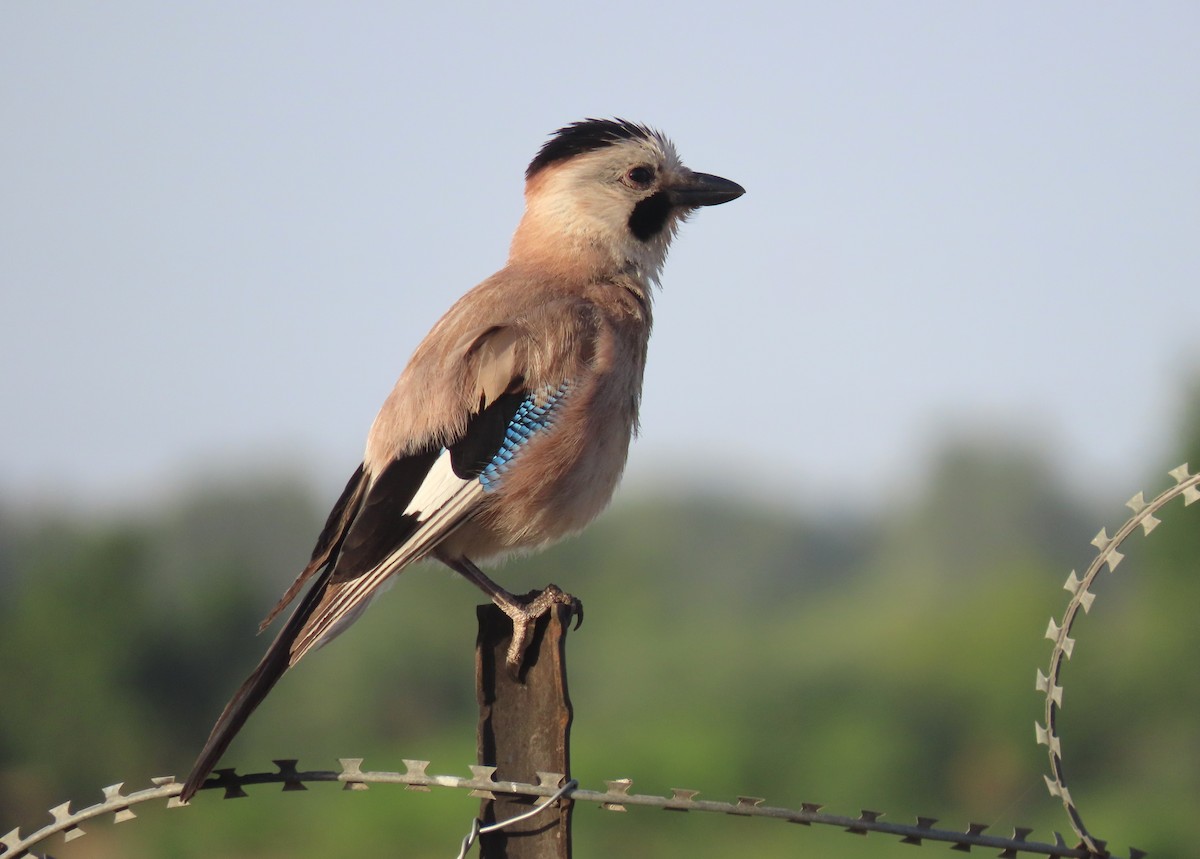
(877, 658)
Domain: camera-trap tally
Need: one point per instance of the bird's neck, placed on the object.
(577, 251)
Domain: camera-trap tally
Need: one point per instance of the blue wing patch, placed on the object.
(535, 414)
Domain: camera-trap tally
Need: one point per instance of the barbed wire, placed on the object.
(617, 795)
(1186, 486)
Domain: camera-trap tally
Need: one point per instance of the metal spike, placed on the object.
(291, 779)
(70, 831)
(1101, 540)
(973, 829)
(61, 813)
(168, 781)
(864, 816)
(74, 832)
(807, 810)
(1048, 739)
(228, 779)
(484, 774)
(1151, 522)
(1114, 558)
(1020, 833)
(550, 780)
(351, 767)
(1134, 853)
(1043, 685)
(1180, 473)
(1052, 786)
(922, 823)
(112, 793)
(1052, 633)
(416, 769)
(1073, 583)
(744, 802)
(681, 798)
(1190, 495)
(1137, 503)
(1043, 736)
(9, 841)
(620, 787)
(868, 817)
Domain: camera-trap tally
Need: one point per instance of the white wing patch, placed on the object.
(440, 505)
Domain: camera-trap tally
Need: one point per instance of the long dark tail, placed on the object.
(251, 693)
(279, 655)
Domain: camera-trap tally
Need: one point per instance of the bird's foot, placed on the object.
(524, 613)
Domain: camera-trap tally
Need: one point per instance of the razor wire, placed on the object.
(617, 795)
(1186, 486)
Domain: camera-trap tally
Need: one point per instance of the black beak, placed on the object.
(704, 189)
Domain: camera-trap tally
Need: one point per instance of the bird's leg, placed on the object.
(522, 611)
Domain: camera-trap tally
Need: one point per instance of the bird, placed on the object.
(510, 425)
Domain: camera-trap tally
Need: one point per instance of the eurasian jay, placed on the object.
(510, 426)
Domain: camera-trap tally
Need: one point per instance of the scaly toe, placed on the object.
(524, 611)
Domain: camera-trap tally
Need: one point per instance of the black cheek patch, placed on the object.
(650, 216)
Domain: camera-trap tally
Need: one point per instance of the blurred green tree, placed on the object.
(859, 659)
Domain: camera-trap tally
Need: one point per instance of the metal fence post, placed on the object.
(524, 730)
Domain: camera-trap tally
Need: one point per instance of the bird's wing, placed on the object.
(380, 525)
(420, 499)
(329, 543)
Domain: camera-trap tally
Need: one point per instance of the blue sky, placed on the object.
(225, 226)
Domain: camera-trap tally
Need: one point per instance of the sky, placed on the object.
(225, 226)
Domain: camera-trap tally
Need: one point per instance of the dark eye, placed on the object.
(641, 176)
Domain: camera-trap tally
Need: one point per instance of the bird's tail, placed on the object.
(249, 695)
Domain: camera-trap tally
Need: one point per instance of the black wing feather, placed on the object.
(381, 525)
(329, 544)
(470, 455)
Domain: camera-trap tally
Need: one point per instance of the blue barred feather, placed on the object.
(534, 415)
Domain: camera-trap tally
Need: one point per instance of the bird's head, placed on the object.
(606, 196)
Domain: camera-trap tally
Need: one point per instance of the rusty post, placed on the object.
(524, 729)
